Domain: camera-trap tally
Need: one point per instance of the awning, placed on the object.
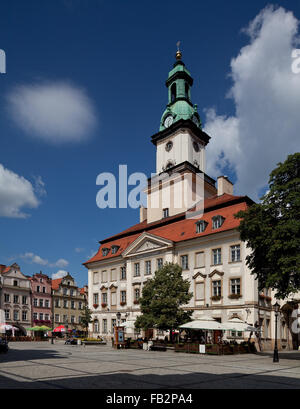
(235, 324)
(204, 323)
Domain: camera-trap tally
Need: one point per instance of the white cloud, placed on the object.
(59, 274)
(16, 192)
(266, 93)
(79, 249)
(34, 258)
(60, 263)
(55, 112)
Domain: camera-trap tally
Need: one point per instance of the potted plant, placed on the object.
(123, 303)
(136, 302)
(104, 304)
(95, 306)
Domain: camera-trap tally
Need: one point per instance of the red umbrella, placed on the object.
(60, 328)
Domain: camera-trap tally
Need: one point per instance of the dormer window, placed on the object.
(201, 226)
(114, 249)
(217, 221)
(105, 251)
(165, 213)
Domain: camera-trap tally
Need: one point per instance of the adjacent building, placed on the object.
(203, 241)
(68, 303)
(41, 300)
(15, 297)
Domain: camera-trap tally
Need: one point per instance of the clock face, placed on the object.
(168, 121)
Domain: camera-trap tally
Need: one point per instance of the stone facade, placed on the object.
(41, 303)
(15, 297)
(68, 303)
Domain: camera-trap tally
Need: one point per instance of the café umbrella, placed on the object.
(60, 328)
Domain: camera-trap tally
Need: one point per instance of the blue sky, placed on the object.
(105, 63)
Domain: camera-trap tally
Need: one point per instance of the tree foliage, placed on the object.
(162, 299)
(272, 231)
(86, 317)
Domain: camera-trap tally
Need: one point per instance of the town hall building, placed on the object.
(204, 241)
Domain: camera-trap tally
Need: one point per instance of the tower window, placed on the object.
(173, 92)
(186, 91)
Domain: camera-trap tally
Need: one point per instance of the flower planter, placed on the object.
(95, 306)
(122, 303)
(103, 305)
(136, 302)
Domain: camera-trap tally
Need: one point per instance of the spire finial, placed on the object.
(178, 53)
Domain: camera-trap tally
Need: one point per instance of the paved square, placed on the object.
(43, 365)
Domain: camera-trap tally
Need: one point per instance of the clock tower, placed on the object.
(180, 150)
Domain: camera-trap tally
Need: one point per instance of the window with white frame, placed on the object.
(160, 263)
(165, 212)
(24, 300)
(35, 316)
(16, 315)
(201, 226)
(72, 319)
(217, 256)
(217, 222)
(16, 299)
(113, 323)
(137, 270)
(6, 298)
(24, 315)
(96, 298)
(123, 296)
(235, 253)
(217, 288)
(104, 298)
(41, 302)
(41, 316)
(123, 273)
(235, 286)
(104, 326)
(147, 267)
(7, 314)
(137, 293)
(184, 262)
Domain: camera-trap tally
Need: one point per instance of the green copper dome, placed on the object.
(179, 83)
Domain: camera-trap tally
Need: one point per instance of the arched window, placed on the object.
(173, 92)
(187, 91)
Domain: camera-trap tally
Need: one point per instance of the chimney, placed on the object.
(143, 214)
(224, 186)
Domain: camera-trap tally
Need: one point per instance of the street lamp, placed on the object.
(276, 307)
(118, 317)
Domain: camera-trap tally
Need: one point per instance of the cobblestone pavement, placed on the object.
(43, 365)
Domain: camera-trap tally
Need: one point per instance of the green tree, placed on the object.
(162, 300)
(86, 318)
(272, 231)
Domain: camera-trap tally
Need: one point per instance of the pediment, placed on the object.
(199, 274)
(147, 243)
(220, 273)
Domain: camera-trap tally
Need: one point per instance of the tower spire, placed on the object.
(178, 53)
